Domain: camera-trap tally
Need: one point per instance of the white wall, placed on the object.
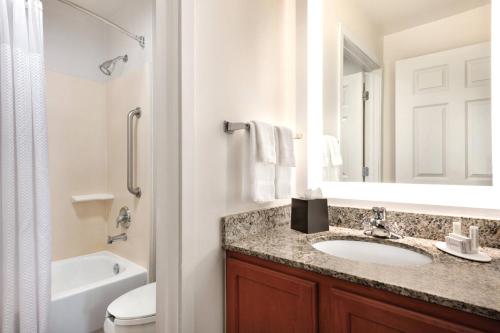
(128, 87)
(360, 28)
(467, 28)
(136, 16)
(75, 44)
(77, 163)
(244, 70)
(122, 95)
(76, 106)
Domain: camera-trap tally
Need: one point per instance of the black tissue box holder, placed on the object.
(310, 216)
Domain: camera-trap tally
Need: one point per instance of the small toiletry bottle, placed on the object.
(457, 227)
(474, 236)
(366, 224)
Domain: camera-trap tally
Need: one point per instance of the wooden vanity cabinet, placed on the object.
(265, 297)
(263, 300)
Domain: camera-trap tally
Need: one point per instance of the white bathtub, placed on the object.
(83, 287)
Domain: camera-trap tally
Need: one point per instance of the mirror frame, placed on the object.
(481, 197)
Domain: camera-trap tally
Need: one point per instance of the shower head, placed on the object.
(107, 67)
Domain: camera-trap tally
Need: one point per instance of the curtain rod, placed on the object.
(140, 39)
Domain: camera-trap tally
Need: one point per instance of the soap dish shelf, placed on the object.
(480, 256)
(92, 197)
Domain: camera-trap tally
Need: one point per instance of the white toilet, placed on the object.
(133, 312)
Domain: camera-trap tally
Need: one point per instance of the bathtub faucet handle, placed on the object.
(124, 218)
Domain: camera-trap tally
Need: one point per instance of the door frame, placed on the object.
(347, 42)
(167, 162)
(373, 128)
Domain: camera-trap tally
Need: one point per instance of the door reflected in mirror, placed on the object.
(408, 92)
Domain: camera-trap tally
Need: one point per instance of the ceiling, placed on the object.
(390, 15)
(396, 15)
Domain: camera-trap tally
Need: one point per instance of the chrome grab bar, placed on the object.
(130, 152)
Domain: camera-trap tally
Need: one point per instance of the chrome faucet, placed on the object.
(378, 219)
(112, 239)
(124, 218)
(378, 227)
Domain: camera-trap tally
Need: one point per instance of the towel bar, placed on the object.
(230, 127)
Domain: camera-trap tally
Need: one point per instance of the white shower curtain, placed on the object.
(25, 235)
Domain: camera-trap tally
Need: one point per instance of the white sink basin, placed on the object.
(375, 253)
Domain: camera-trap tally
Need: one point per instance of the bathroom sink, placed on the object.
(371, 252)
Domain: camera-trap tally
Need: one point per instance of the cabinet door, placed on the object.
(260, 300)
(357, 314)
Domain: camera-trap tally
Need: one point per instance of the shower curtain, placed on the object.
(25, 236)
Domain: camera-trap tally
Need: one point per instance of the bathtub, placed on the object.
(84, 286)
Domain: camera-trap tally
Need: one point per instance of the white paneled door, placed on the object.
(443, 117)
(351, 128)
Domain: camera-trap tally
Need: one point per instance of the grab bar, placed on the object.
(130, 152)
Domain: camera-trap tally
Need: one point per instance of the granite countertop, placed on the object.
(449, 281)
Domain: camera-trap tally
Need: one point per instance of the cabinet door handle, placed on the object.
(136, 191)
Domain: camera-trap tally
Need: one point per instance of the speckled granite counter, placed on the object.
(448, 281)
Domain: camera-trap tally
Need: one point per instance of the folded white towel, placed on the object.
(266, 143)
(286, 160)
(332, 159)
(285, 146)
(283, 182)
(332, 155)
(331, 173)
(262, 175)
(327, 160)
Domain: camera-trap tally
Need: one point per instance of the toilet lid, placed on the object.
(135, 304)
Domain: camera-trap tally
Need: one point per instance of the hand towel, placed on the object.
(332, 173)
(262, 175)
(286, 160)
(332, 153)
(283, 182)
(285, 146)
(327, 159)
(332, 159)
(337, 153)
(266, 143)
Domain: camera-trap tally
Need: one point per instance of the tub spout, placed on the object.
(112, 239)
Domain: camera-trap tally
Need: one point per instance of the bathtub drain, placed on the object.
(116, 268)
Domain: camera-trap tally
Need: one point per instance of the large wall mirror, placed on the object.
(407, 92)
